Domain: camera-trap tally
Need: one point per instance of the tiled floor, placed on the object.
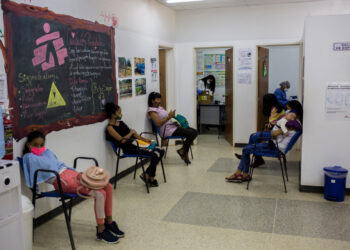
(197, 209)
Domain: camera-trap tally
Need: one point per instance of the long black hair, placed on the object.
(152, 96)
(296, 105)
(269, 101)
(110, 109)
(211, 85)
(32, 136)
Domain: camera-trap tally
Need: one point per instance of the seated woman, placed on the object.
(273, 109)
(119, 133)
(280, 139)
(162, 119)
(36, 156)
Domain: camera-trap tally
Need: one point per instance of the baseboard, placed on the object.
(317, 189)
(58, 210)
(240, 145)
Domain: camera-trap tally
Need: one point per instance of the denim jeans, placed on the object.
(264, 147)
(254, 137)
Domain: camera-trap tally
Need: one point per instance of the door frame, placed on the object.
(170, 73)
(194, 80)
(300, 44)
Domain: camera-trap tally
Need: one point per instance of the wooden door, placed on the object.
(162, 76)
(263, 85)
(229, 95)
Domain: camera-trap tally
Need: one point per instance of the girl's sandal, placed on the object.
(234, 178)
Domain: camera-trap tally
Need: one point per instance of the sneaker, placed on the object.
(153, 183)
(114, 229)
(238, 156)
(258, 162)
(106, 236)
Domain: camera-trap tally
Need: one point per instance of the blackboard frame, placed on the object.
(74, 23)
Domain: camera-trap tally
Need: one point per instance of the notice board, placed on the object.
(60, 69)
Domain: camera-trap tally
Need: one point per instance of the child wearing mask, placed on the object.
(36, 156)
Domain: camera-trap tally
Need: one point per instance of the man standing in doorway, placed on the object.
(280, 93)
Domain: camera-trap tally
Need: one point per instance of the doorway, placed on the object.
(277, 63)
(214, 100)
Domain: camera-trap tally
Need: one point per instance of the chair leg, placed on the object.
(64, 206)
(161, 163)
(191, 152)
(251, 170)
(285, 166)
(284, 181)
(116, 173)
(144, 174)
(135, 168)
(70, 209)
(166, 149)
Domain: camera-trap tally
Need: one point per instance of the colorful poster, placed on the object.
(214, 62)
(154, 69)
(338, 101)
(125, 88)
(124, 67)
(140, 86)
(139, 66)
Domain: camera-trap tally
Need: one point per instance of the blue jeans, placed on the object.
(254, 137)
(264, 147)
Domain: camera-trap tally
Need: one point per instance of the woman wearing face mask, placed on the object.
(162, 119)
(118, 132)
(281, 95)
(36, 156)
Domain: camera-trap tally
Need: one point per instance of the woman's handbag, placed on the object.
(92, 178)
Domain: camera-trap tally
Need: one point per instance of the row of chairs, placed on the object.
(67, 198)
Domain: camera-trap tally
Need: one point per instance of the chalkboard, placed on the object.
(61, 70)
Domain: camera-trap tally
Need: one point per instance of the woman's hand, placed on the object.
(133, 132)
(171, 114)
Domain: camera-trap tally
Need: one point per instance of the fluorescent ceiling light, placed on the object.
(182, 1)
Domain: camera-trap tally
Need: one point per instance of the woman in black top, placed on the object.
(118, 132)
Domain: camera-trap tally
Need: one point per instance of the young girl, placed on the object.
(36, 156)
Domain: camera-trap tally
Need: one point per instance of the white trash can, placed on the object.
(27, 214)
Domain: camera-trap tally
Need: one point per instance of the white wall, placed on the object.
(284, 66)
(241, 27)
(143, 26)
(325, 142)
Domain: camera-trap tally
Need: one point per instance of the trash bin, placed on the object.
(27, 214)
(334, 183)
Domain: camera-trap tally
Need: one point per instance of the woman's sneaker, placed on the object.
(114, 229)
(106, 236)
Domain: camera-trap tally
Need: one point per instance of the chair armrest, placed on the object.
(84, 158)
(47, 171)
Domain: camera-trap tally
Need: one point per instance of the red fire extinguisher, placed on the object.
(8, 134)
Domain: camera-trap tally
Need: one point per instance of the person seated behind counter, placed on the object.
(162, 119)
(119, 133)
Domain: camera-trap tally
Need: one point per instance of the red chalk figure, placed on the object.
(54, 51)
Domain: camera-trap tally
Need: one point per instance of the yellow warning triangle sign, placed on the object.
(55, 98)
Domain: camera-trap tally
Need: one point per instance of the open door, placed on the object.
(162, 76)
(229, 95)
(263, 85)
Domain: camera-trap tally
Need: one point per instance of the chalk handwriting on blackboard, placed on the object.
(61, 69)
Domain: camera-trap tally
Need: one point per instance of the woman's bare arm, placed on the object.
(116, 135)
(160, 122)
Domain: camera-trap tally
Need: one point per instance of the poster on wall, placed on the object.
(245, 59)
(244, 77)
(139, 66)
(140, 86)
(154, 69)
(124, 67)
(125, 88)
(214, 61)
(200, 62)
(337, 104)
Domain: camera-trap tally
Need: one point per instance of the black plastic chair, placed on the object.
(276, 154)
(58, 194)
(139, 156)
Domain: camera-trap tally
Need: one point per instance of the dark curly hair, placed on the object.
(152, 96)
(269, 101)
(110, 109)
(32, 136)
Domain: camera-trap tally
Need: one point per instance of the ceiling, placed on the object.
(226, 3)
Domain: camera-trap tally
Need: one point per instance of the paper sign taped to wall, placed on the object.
(338, 101)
